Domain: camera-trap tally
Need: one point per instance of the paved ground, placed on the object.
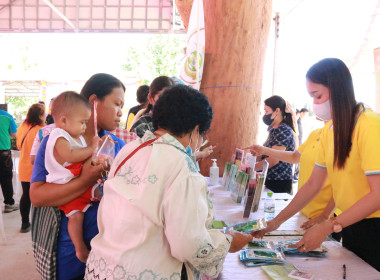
(16, 254)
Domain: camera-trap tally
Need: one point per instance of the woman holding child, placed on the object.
(164, 229)
(54, 251)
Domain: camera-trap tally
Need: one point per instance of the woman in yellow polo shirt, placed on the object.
(319, 209)
(349, 154)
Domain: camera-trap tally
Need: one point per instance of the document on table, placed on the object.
(332, 265)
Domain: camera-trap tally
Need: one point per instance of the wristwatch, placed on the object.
(337, 227)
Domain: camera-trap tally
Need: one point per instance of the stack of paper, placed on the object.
(260, 186)
(252, 257)
(226, 171)
(284, 246)
(261, 245)
(278, 272)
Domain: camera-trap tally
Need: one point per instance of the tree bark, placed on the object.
(236, 40)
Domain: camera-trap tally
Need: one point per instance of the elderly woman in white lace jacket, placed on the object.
(154, 219)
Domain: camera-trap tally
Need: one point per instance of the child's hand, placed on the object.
(94, 142)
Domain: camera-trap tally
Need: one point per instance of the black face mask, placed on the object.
(267, 119)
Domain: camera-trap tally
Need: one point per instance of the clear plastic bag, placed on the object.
(105, 152)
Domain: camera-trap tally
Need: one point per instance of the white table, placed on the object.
(329, 268)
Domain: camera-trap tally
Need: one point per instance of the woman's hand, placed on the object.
(256, 150)
(313, 237)
(91, 173)
(239, 240)
(314, 221)
(271, 226)
(204, 153)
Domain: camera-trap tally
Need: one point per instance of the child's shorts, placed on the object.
(80, 203)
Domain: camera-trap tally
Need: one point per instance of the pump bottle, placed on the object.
(214, 173)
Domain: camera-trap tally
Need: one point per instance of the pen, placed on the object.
(344, 271)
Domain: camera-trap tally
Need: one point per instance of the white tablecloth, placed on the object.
(329, 268)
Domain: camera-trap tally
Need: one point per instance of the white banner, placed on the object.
(192, 65)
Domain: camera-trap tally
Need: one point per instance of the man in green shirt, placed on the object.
(8, 128)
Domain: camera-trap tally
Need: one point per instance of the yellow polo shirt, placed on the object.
(350, 183)
(308, 151)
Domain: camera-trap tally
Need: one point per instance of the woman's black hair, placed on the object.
(101, 85)
(156, 86)
(334, 74)
(275, 102)
(34, 113)
(180, 108)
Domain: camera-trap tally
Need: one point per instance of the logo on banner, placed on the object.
(190, 64)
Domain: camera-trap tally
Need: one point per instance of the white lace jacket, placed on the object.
(155, 215)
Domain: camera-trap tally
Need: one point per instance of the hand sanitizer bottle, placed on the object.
(214, 173)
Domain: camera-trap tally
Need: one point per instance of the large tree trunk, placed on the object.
(236, 40)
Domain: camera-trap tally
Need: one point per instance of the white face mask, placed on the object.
(323, 111)
(189, 150)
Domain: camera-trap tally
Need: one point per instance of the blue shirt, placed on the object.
(68, 265)
(7, 126)
(281, 136)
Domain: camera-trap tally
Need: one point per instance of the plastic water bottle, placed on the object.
(269, 207)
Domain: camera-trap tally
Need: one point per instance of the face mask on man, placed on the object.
(267, 119)
(323, 111)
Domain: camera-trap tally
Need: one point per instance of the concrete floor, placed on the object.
(16, 254)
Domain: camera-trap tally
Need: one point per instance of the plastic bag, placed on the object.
(105, 152)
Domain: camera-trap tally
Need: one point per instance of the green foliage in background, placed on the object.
(24, 59)
(159, 56)
(18, 107)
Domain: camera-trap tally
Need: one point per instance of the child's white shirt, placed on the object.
(58, 174)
